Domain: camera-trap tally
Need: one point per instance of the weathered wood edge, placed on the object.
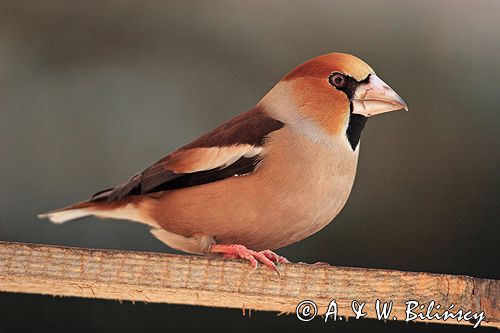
(197, 280)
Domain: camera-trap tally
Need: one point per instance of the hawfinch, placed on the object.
(265, 179)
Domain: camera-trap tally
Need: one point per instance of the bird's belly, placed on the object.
(306, 213)
(299, 210)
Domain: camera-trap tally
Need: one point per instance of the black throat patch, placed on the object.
(356, 124)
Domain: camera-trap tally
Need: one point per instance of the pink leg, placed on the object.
(233, 251)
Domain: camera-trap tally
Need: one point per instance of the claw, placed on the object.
(274, 257)
(266, 257)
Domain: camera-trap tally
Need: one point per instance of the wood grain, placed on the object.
(195, 280)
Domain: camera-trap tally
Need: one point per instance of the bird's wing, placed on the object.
(233, 148)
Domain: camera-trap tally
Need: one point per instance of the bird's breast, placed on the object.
(308, 183)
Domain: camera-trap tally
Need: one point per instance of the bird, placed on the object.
(268, 178)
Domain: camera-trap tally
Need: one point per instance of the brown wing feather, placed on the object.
(248, 128)
(230, 149)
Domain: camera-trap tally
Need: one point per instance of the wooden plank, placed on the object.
(197, 280)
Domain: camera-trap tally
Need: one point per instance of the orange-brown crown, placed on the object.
(324, 65)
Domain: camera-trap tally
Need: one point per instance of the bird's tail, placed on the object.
(72, 212)
(124, 209)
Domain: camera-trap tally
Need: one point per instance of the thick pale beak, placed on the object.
(375, 97)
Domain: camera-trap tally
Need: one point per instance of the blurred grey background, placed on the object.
(93, 91)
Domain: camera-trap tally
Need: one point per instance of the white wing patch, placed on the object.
(202, 159)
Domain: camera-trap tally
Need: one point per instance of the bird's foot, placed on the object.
(235, 251)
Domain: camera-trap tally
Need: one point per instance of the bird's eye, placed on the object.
(337, 80)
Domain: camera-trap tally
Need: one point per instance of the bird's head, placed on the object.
(336, 92)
